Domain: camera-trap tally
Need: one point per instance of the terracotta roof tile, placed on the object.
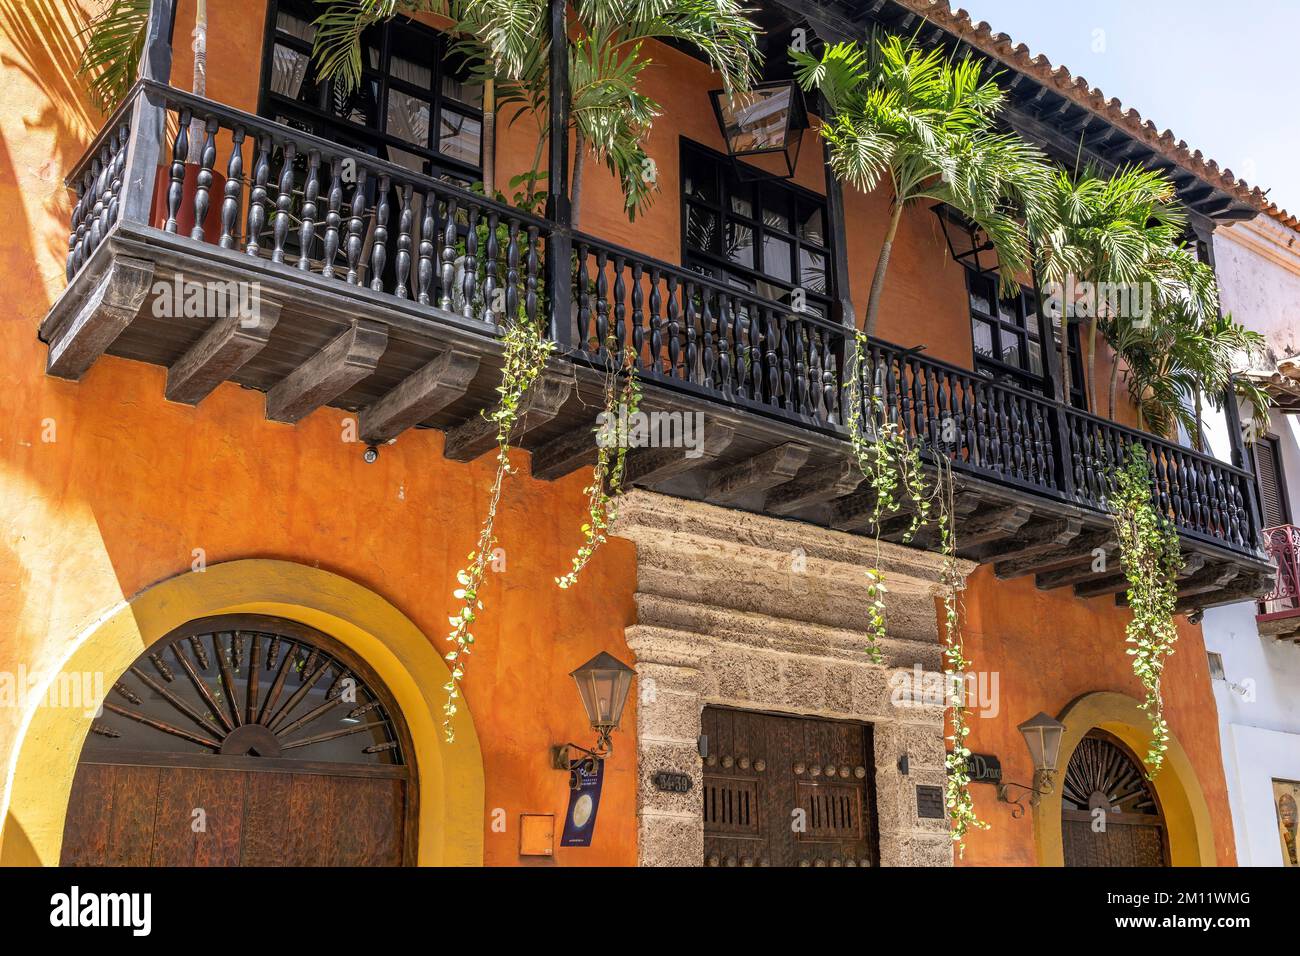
(1019, 57)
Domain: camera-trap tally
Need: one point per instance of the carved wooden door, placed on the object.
(1109, 812)
(243, 741)
(787, 791)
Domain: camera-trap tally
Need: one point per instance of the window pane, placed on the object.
(1035, 358)
(359, 106)
(408, 72)
(981, 290)
(408, 118)
(471, 94)
(288, 70)
(776, 258)
(459, 137)
(776, 208)
(740, 244)
(742, 200)
(700, 178)
(983, 335)
(812, 270)
(1009, 311)
(1011, 349)
(812, 225)
(293, 26)
(701, 229)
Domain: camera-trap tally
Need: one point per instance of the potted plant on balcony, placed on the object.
(115, 40)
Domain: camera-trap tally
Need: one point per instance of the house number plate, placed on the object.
(672, 782)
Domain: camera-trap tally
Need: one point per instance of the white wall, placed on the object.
(1258, 265)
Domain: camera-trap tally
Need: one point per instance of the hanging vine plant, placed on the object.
(1152, 558)
(606, 486)
(892, 464)
(525, 353)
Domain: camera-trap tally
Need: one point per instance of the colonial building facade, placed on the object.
(243, 455)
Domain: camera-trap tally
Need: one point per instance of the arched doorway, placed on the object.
(1110, 815)
(244, 740)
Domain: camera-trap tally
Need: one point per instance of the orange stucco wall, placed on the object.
(1048, 648)
(131, 484)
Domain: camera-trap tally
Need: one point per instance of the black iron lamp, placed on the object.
(763, 128)
(968, 243)
(1043, 738)
(603, 684)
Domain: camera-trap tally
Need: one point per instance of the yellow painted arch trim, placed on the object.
(1187, 816)
(38, 782)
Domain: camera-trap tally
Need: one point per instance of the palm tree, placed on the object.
(1117, 230)
(610, 117)
(927, 124)
(114, 45)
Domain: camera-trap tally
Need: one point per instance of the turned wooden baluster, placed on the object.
(310, 194)
(96, 207)
(706, 317)
(75, 233)
(491, 253)
(428, 229)
(674, 334)
(620, 306)
(203, 185)
(283, 203)
(83, 227)
(724, 351)
(176, 188)
(602, 300)
(638, 307)
(814, 372)
(379, 246)
(114, 203)
(257, 196)
(232, 192)
(831, 387)
(512, 269)
(530, 298)
(405, 223)
(356, 228)
(656, 321)
(448, 255)
(104, 198)
(787, 364)
(584, 296)
(739, 324)
(771, 357)
(469, 284)
(333, 219)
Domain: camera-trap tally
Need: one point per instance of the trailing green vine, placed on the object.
(1152, 558)
(525, 353)
(891, 462)
(607, 475)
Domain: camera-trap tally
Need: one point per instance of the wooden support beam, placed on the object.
(1073, 574)
(474, 436)
(221, 351)
(1075, 551)
(566, 454)
(329, 373)
(854, 511)
(1204, 579)
(773, 467)
(815, 487)
(1032, 541)
(109, 308)
(1244, 587)
(993, 525)
(421, 394)
(650, 466)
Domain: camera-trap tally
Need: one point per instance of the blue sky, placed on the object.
(1225, 77)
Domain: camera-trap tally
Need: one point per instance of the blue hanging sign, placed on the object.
(584, 801)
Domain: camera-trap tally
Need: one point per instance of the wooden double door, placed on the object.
(787, 791)
(244, 741)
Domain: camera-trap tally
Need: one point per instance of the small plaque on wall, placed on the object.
(929, 802)
(670, 781)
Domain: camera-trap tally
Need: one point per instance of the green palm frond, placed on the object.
(114, 45)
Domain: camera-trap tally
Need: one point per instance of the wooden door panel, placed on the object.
(220, 796)
(780, 765)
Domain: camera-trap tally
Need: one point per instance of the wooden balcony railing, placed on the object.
(1283, 545)
(458, 258)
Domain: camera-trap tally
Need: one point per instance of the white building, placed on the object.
(1254, 658)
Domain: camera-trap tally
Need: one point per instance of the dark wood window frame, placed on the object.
(728, 188)
(1279, 475)
(374, 138)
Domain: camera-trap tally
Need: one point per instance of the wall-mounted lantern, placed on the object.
(603, 684)
(968, 243)
(1043, 738)
(762, 128)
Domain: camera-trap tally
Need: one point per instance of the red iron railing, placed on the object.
(1283, 544)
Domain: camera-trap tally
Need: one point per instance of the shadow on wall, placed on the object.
(42, 42)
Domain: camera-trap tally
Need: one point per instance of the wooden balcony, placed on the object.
(1279, 609)
(382, 291)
